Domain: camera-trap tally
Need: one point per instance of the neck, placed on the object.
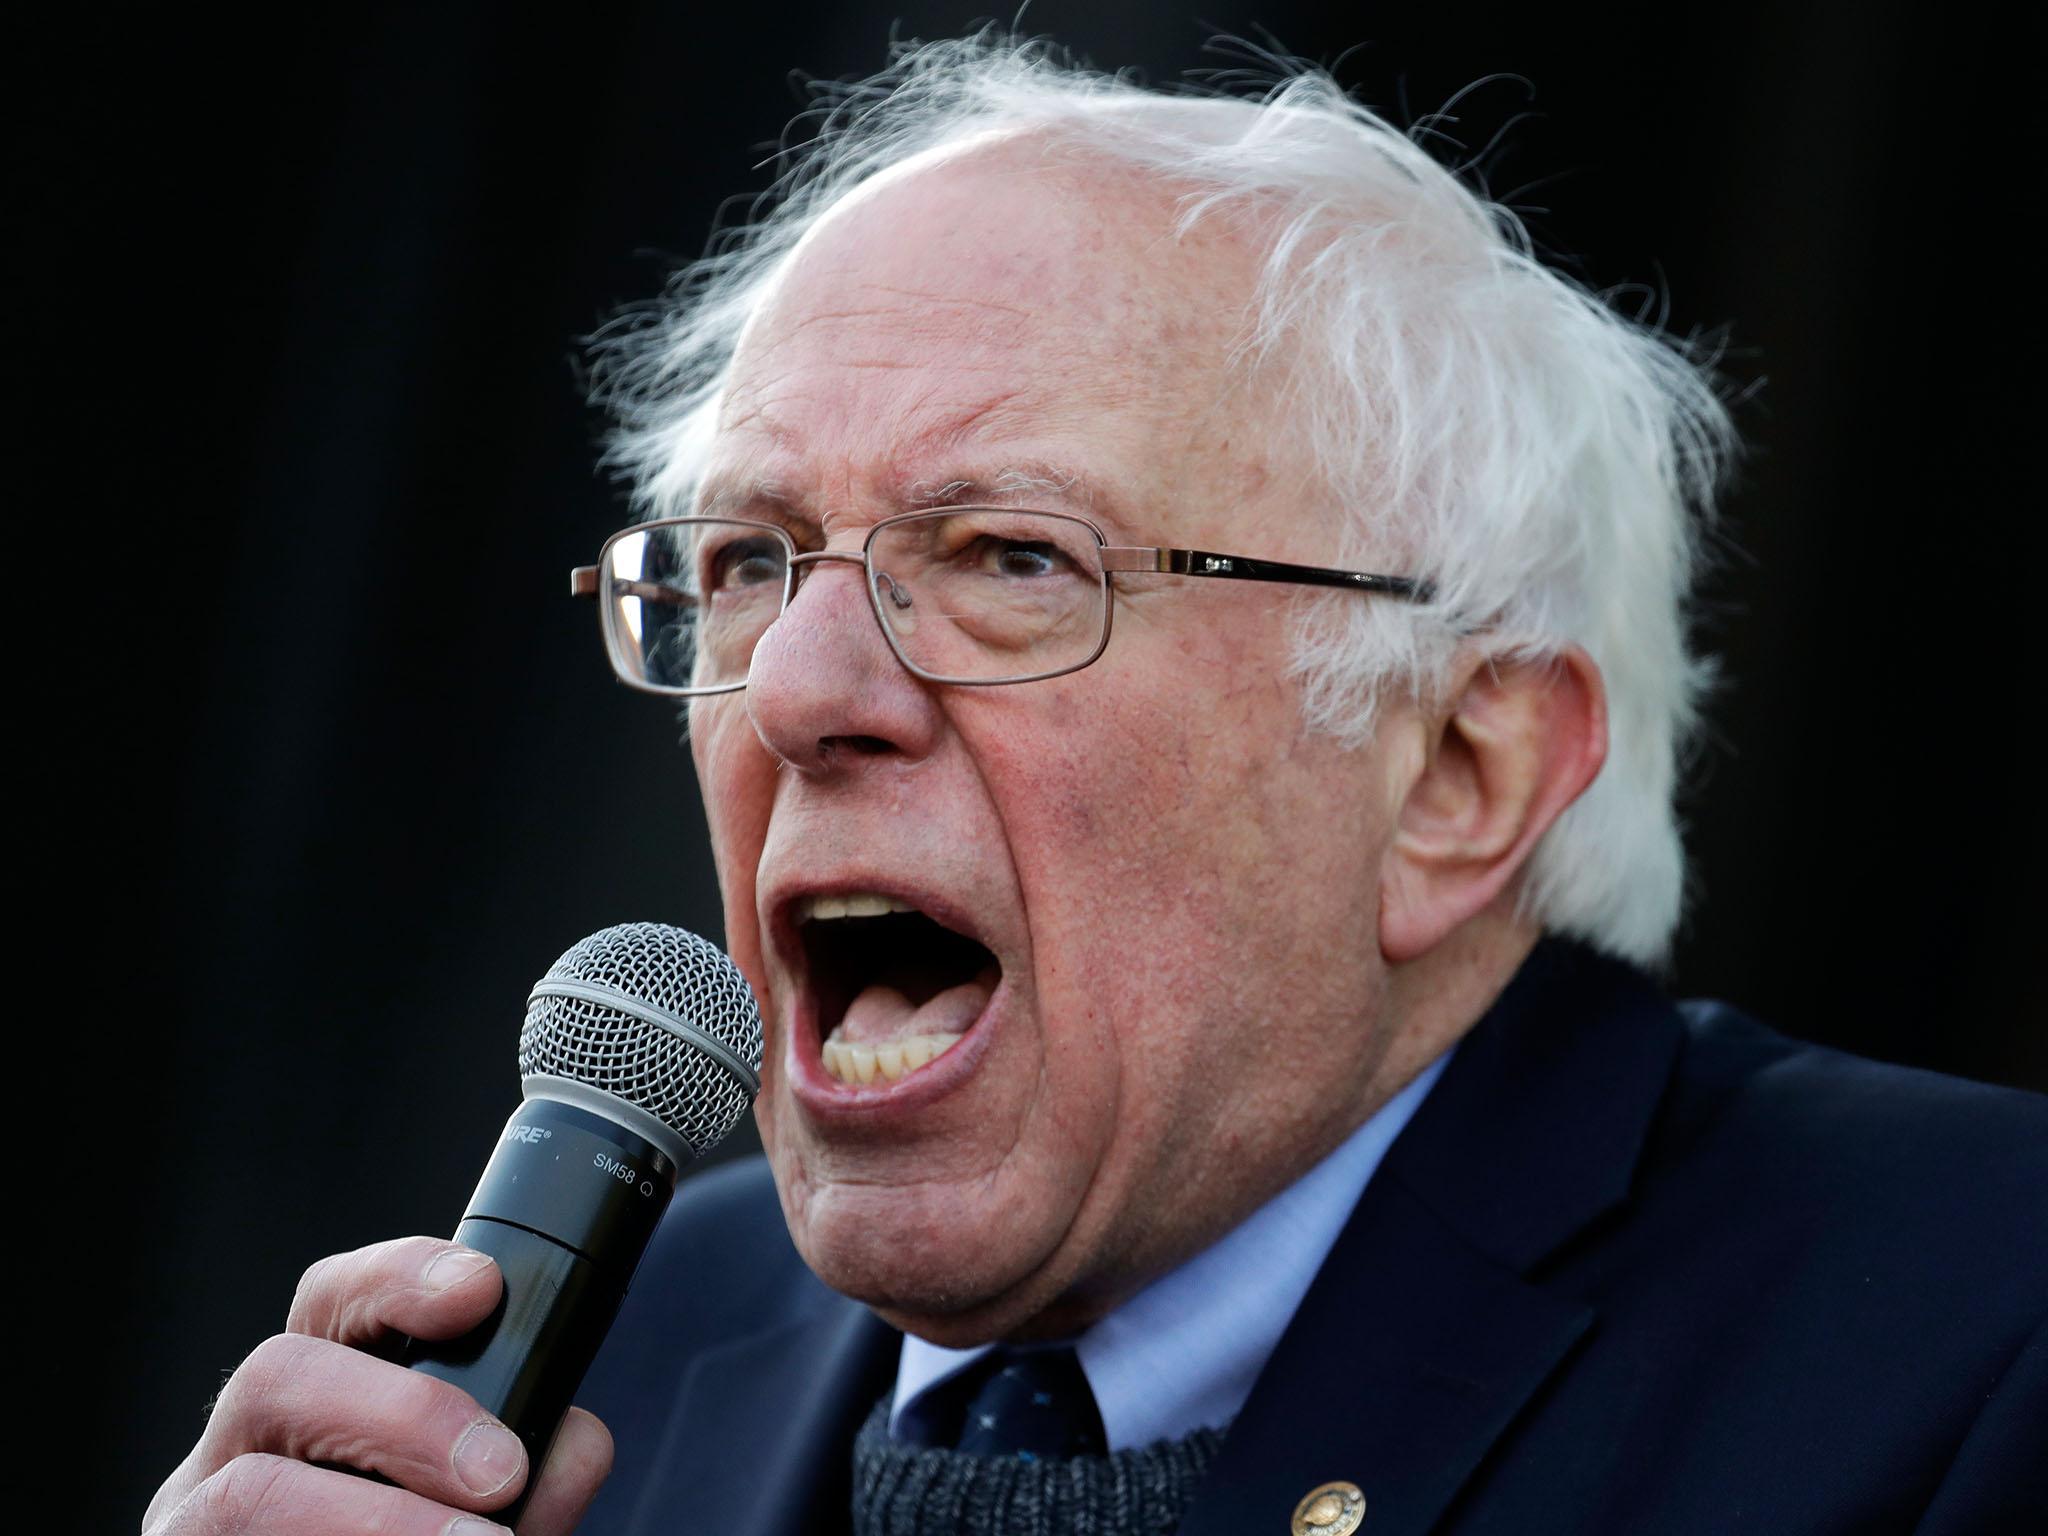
(1434, 999)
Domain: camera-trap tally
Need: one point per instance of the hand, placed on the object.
(309, 1401)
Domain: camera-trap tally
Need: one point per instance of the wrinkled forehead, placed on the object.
(988, 307)
(1091, 248)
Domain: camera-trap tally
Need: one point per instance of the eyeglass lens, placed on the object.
(979, 595)
(986, 596)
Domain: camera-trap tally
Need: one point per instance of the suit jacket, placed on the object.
(1634, 1267)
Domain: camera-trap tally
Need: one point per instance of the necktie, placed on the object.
(1034, 1404)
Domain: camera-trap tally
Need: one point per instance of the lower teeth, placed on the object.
(853, 1063)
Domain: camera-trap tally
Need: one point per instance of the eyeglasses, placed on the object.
(971, 596)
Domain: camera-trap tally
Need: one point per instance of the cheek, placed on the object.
(736, 776)
(1187, 854)
(1153, 794)
(1136, 835)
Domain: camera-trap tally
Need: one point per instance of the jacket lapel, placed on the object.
(761, 1433)
(1405, 1363)
(1423, 1336)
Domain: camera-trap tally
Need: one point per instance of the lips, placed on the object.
(892, 987)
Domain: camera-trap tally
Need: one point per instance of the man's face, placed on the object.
(1168, 1005)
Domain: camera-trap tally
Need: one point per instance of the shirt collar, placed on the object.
(1183, 1353)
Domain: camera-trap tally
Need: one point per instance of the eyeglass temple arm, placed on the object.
(1167, 562)
(1200, 562)
(583, 583)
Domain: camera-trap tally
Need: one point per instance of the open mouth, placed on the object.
(895, 989)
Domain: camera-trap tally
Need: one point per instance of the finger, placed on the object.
(315, 1400)
(256, 1495)
(576, 1468)
(424, 1286)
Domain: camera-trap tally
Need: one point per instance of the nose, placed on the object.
(825, 692)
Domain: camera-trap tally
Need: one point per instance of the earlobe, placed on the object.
(1518, 741)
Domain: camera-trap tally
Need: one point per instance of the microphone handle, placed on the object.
(566, 1207)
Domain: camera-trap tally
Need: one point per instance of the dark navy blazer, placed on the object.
(1634, 1267)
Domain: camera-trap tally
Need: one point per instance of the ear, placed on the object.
(1518, 741)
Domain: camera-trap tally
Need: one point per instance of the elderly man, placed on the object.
(1181, 626)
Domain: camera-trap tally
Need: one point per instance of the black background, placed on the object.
(327, 768)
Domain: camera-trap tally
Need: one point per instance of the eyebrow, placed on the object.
(1006, 483)
(731, 497)
(1035, 477)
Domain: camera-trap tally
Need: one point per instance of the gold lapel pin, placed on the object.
(1335, 1509)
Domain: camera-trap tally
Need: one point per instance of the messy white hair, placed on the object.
(1543, 460)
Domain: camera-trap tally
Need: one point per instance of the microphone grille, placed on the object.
(655, 1016)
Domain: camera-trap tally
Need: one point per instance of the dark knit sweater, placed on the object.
(907, 1490)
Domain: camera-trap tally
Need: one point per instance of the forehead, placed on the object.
(994, 320)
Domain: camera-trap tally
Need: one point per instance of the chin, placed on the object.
(925, 1266)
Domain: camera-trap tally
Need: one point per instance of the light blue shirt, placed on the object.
(1183, 1353)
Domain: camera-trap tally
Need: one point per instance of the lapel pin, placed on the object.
(1335, 1509)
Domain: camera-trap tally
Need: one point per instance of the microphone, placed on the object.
(641, 1050)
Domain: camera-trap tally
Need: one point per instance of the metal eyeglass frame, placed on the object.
(1117, 559)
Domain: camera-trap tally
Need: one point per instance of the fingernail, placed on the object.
(453, 1267)
(488, 1457)
(469, 1525)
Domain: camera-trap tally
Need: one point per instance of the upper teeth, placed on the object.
(854, 904)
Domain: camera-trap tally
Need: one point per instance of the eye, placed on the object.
(1017, 557)
(744, 562)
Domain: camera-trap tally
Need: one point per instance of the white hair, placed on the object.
(1481, 420)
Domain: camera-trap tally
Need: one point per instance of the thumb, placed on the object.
(577, 1466)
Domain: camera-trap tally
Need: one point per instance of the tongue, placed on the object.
(881, 1013)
